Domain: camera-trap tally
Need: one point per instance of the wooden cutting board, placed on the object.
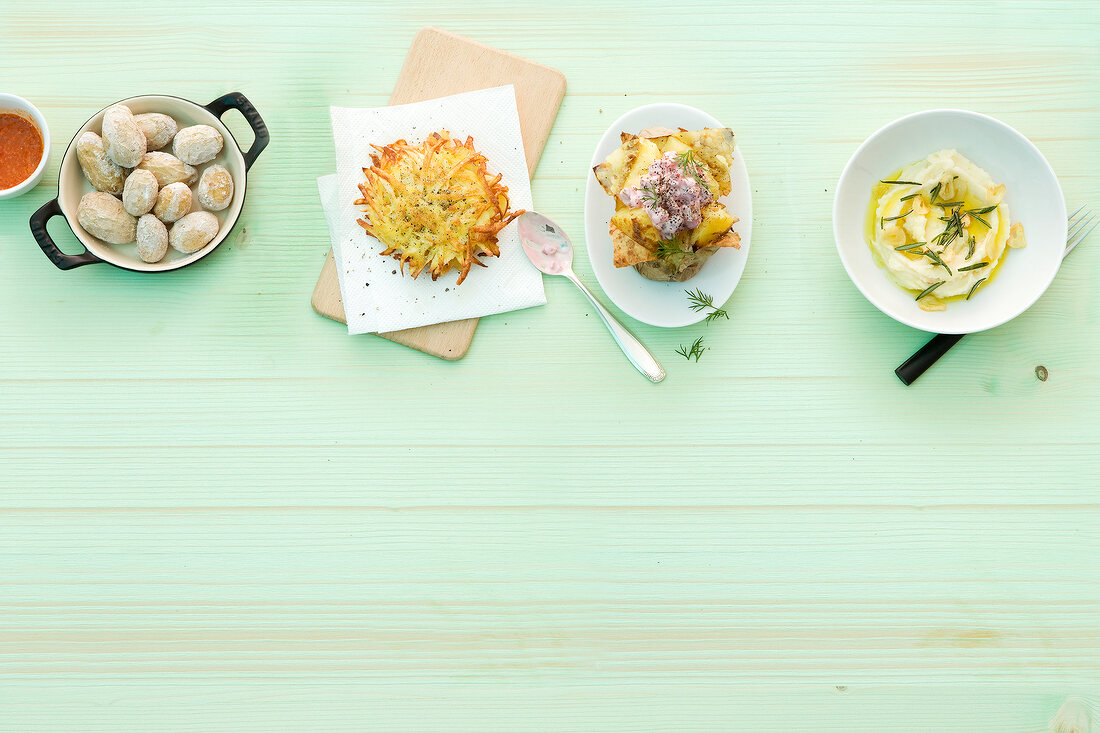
(438, 64)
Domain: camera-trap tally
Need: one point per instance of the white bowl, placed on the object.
(1034, 198)
(10, 103)
(72, 184)
(664, 303)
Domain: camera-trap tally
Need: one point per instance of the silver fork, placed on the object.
(928, 354)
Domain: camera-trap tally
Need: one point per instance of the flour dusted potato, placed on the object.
(101, 171)
(158, 129)
(197, 144)
(193, 232)
(173, 202)
(140, 192)
(168, 168)
(124, 140)
(152, 238)
(215, 188)
(103, 216)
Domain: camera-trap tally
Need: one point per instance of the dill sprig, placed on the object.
(700, 301)
(649, 194)
(975, 287)
(689, 165)
(696, 349)
(928, 290)
(670, 250)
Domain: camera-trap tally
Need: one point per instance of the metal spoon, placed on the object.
(552, 253)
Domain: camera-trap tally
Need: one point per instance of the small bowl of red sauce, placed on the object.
(24, 146)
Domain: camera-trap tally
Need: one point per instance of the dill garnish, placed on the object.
(696, 349)
(929, 289)
(975, 287)
(670, 250)
(689, 166)
(700, 301)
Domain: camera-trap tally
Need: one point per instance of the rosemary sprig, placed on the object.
(696, 349)
(934, 193)
(912, 195)
(975, 287)
(974, 215)
(700, 301)
(976, 266)
(907, 247)
(949, 204)
(928, 290)
(936, 258)
(986, 210)
(882, 223)
(970, 241)
(901, 183)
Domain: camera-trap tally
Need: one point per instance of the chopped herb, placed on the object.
(901, 183)
(906, 198)
(670, 249)
(928, 290)
(906, 247)
(882, 224)
(934, 193)
(976, 266)
(970, 241)
(700, 301)
(689, 166)
(936, 258)
(649, 194)
(696, 349)
(949, 204)
(974, 215)
(986, 210)
(975, 287)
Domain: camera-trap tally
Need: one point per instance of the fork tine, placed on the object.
(1079, 237)
(1070, 217)
(1078, 225)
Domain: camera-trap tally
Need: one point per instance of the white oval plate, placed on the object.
(1033, 195)
(658, 303)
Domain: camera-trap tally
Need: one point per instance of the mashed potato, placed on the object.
(940, 227)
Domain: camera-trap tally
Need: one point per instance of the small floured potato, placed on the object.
(158, 129)
(168, 168)
(193, 232)
(140, 192)
(123, 138)
(215, 188)
(197, 144)
(102, 216)
(152, 238)
(173, 202)
(102, 172)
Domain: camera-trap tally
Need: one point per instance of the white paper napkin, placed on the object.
(377, 297)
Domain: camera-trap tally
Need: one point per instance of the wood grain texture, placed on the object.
(440, 63)
(218, 513)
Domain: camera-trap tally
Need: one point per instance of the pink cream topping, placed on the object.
(670, 194)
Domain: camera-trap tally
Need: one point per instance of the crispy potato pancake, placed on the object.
(434, 205)
(634, 238)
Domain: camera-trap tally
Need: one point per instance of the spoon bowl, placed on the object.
(551, 252)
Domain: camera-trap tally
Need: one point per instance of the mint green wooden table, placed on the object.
(221, 513)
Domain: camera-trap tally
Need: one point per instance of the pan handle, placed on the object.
(237, 101)
(59, 258)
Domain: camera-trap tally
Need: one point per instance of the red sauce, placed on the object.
(20, 149)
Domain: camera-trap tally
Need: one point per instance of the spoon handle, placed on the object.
(638, 355)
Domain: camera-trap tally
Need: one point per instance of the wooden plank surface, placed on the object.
(440, 63)
(218, 515)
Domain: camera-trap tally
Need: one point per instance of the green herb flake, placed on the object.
(899, 183)
(975, 266)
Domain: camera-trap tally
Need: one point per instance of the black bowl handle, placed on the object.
(236, 100)
(59, 258)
